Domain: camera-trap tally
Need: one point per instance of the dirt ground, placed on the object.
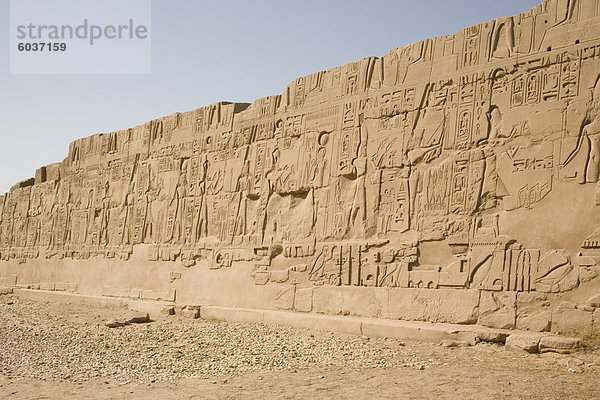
(51, 351)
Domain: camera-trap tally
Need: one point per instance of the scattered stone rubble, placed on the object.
(37, 343)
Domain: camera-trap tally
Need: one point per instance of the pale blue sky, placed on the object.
(209, 51)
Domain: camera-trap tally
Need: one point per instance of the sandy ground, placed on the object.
(256, 361)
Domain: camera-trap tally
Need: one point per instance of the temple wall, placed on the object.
(452, 180)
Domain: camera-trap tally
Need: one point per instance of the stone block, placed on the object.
(304, 300)
(61, 286)
(47, 286)
(559, 344)
(71, 287)
(571, 321)
(364, 301)
(168, 310)
(491, 336)
(328, 300)
(532, 312)
(137, 317)
(433, 305)
(9, 281)
(415, 330)
(191, 312)
(230, 314)
(331, 323)
(528, 342)
(539, 322)
(498, 309)
(168, 295)
(23, 286)
(284, 300)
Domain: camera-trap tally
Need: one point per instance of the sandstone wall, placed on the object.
(454, 179)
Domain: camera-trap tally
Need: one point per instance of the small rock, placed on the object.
(492, 336)
(113, 323)
(169, 310)
(136, 317)
(575, 369)
(585, 308)
(192, 313)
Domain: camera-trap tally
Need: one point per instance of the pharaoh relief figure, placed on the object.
(104, 215)
(128, 210)
(178, 202)
(591, 130)
(202, 213)
(359, 202)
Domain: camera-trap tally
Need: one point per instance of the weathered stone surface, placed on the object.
(454, 343)
(113, 323)
(433, 183)
(304, 300)
(571, 321)
(285, 298)
(498, 310)
(539, 322)
(191, 312)
(169, 310)
(594, 301)
(491, 336)
(567, 305)
(8, 281)
(453, 306)
(533, 313)
(279, 276)
(47, 286)
(137, 317)
(528, 342)
(327, 300)
(364, 301)
(559, 344)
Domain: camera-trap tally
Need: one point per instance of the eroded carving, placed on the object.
(408, 170)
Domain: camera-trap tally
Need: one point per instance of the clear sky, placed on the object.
(208, 51)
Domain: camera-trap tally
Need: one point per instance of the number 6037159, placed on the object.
(42, 46)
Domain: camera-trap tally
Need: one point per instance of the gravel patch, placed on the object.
(47, 341)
